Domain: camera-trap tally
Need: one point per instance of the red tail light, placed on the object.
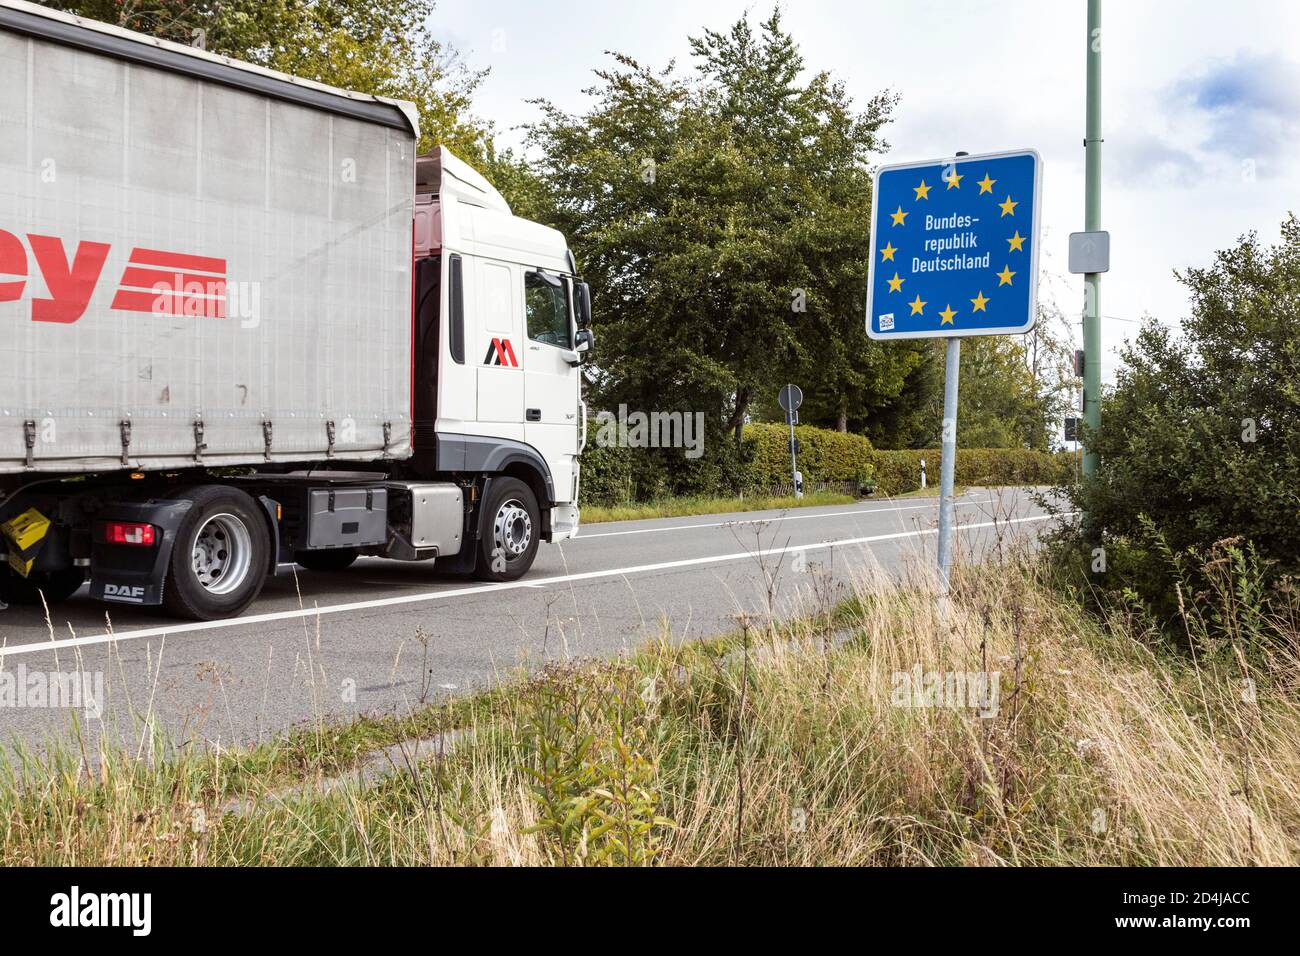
(130, 533)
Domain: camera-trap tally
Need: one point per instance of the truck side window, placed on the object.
(546, 300)
(456, 301)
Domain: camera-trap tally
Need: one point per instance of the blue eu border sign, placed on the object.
(954, 247)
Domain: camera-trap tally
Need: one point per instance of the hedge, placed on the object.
(615, 476)
(898, 472)
(824, 455)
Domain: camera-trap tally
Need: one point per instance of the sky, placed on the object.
(1200, 115)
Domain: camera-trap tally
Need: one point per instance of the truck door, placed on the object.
(498, 352)
(550, 383)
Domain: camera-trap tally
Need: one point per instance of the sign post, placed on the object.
(954, 253)
(790, 398)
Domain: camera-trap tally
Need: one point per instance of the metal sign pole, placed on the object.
(948, 463)
(790, 398)
(794, 465)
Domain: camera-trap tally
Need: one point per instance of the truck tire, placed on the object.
(222, 552)
(509, 531)
(333, 559)
(56, 586)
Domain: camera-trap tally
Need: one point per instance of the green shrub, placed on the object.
(1200, 435)
(608, 475)
(620, 476)
(898, 472)
(824, 455)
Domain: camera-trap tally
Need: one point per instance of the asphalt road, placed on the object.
(385, 636)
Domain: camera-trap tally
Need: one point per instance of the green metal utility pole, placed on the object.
(1092, 223)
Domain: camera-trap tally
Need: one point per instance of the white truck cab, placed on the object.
(511, 334)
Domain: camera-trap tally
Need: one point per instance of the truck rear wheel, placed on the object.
(56, 586)
(509, 532)
(333, 559)
(221, 556)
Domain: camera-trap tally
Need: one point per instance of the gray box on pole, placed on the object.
(1089, 252)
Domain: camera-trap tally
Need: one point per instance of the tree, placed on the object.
(716, 216)
(381, 47)
(1200, 435)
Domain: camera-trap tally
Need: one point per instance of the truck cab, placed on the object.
(501, 332)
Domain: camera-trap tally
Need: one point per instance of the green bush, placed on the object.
(824, 455)
(898, 472)
(608, 475)
(1200, 435)
(619, 476)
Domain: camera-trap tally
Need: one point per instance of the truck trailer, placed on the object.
(245, 328)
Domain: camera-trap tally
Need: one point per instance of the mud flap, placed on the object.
(125, 575)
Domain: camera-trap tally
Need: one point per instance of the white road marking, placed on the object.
(276, 616)
(583, 536)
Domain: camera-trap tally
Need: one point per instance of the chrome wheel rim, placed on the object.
(512, 529)
(222, 554)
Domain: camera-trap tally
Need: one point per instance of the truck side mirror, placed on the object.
(582, 304)
(584, 342)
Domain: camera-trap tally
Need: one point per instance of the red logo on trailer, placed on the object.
(501, 352)
(160, 283)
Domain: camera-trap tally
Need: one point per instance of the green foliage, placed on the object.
(586, 730)
(381, 47)
(699, 206)
(824, 455)
(615, 476)
(898, 472)
(1200, 436)
(609, 475)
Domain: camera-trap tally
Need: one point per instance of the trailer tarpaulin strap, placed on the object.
(145, 54)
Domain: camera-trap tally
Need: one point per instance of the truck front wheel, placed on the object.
(222, 551)
(510, 531)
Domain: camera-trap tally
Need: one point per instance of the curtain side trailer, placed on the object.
(245, 327)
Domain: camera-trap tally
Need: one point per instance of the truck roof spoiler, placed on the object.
(444, 173)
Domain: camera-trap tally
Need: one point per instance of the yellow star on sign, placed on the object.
(985, 184)
(1017, 242)
(954, 181)
(1008, 208)
(946, 315)
(888, 252)
(979, 302)
(899, 217)
(922, 191)
(917, 306)
(895, 284)
(1004, 277)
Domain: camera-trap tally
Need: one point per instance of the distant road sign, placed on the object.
(955, 247)
(1072, 429)
(790, 398)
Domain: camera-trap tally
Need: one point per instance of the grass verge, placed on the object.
(847, 736)
(682, 507)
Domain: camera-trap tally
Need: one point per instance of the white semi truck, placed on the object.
(244, 327)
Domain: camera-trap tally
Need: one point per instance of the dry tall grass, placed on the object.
(785, 744)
